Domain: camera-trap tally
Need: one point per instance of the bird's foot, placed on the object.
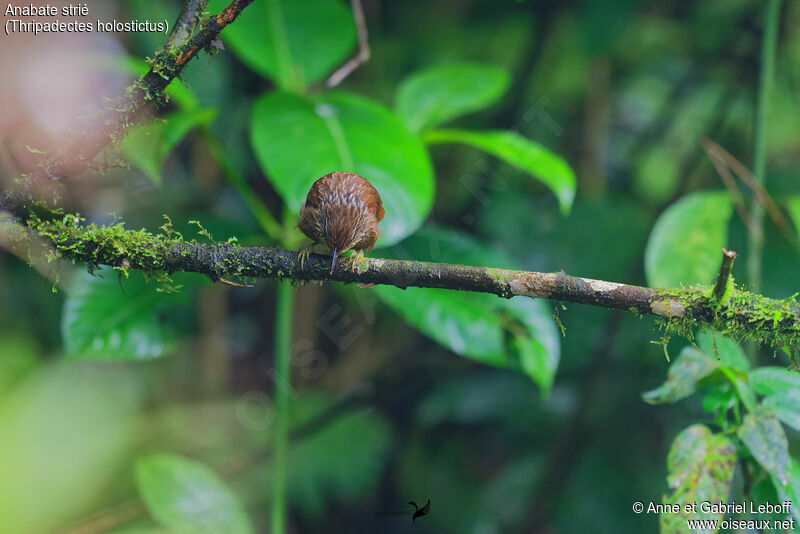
(356, 262)
(302, 256)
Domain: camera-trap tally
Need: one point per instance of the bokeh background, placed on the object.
(393, 399)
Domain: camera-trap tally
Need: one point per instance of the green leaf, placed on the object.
(792, 491)
(518, 332)
(786, 406)
(298, 140)
(148, 145)
(333, 463)
(728, 351)
(745, 393)
(292, 42)
(441, 93)
(764, 436)
(719, 397)
(341, 462)
(686, 241)
(765, 490)
(100, 321)
(689, 367)
(188, 496)
(793, 206)
(461, 322)
(550, 169)
(772, 379)
(701, 466)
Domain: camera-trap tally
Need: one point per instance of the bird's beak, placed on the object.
(333, 260)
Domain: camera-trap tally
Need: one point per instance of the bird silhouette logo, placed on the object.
(419, 512)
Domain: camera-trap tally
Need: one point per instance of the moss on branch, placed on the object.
(743, 316)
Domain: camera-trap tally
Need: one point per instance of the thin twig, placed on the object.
(234, 284)
(724, 274)
(741, 170)
(730, 184)
(762, 196)
(110, 518)
(363, 47)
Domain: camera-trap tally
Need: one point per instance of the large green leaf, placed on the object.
(688, 368)
(438, 94)
(786, 407)
(298, 140)
(520, 152)
(462, 322)
(101, 320)
(292, 42)
(701, 466)
(518, 332)
(148, 145)
(189, 497)
(764, 436)
(772, 379)
(686, 241)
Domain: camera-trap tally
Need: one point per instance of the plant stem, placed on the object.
(268, 223)
(283, 335)
(768, 46)
(288, 77)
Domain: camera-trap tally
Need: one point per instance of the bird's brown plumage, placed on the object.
(342, 211)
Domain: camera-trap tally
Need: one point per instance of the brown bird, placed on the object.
(341, 211)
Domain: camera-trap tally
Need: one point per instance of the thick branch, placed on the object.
(165, 67)
(741, 315)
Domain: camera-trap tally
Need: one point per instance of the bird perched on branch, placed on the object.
(341, 211)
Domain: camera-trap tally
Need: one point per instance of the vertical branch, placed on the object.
(724, 275)
(283, 335)
(768, 47)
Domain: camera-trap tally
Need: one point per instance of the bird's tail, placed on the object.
(333, 260)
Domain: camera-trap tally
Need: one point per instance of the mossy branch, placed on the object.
(741, 315)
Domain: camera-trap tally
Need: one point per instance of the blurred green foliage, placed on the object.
(530, 134)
